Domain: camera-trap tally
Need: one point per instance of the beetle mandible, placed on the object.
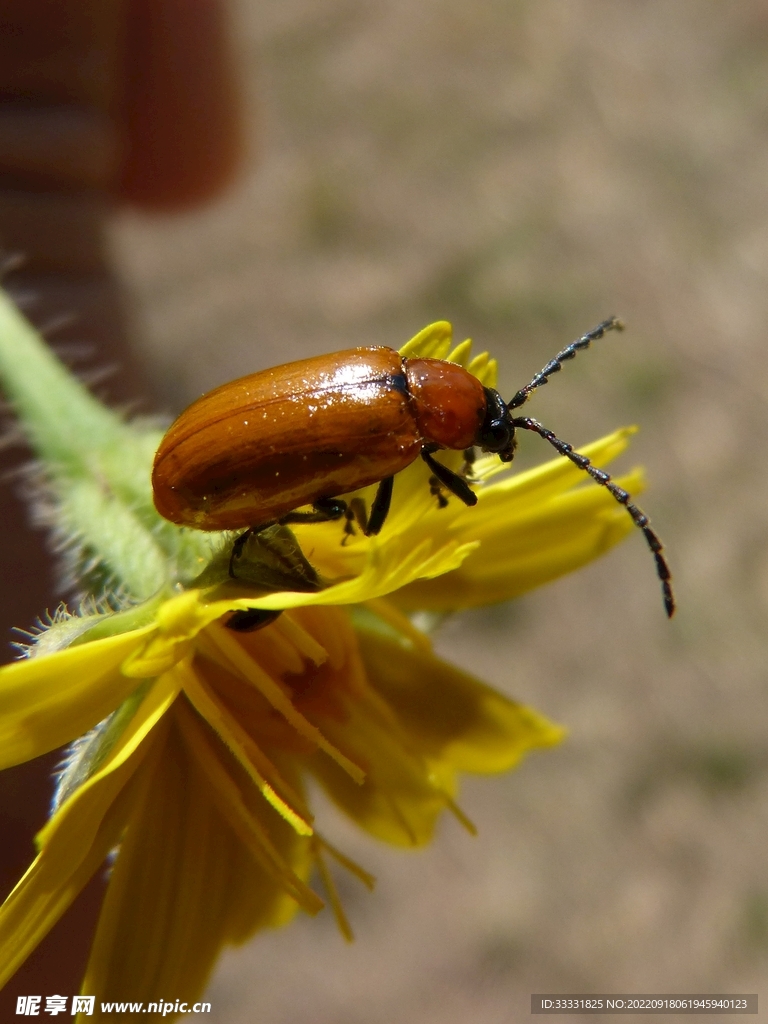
(252, 452)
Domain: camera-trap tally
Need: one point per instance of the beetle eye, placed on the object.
(496, 436)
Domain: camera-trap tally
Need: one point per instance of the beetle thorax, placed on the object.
(447, 401)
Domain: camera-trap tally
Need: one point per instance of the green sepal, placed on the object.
(86, 755)
(95, 475)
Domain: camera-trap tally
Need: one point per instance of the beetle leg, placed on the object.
(326, 510)
(456, 484)
(349, 529)
(250, 619)
(380, 506)
(355, 514)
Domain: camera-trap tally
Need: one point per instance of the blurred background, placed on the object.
(524, 169)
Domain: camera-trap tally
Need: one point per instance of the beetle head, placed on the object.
(497, 433)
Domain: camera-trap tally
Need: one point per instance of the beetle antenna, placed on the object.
(639, 518)
(611, 324)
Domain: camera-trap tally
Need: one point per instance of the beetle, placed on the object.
(250, 453)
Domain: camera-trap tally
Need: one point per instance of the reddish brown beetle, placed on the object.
(252, 452)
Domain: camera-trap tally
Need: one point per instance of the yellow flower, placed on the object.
(198, 736)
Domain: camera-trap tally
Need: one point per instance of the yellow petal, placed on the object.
(177, 892)
(48, 701)
(276, 791)
(245, 666)
(77, 839)
(389, 564)
(342, 922)
(501, 504)
(554, 476)
(55, 877)
(260, 903)
(433, 342)
(461, 353)
(149, 713)
(449, 715)
(485, 369)
(161, 923)
(244, 814)
(385, 612)
(178, 621)
(519, 553)
(403, 793)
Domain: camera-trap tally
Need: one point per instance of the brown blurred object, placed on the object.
(100, 100)
(182, 130)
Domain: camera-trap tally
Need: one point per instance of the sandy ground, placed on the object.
(525, 168)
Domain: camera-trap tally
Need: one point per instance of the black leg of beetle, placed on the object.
(456, 485)
(380, 506)
(355, 514)
(612, 324)
(326, 510)
(358, 512)
(639, 518)
(250, 619)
